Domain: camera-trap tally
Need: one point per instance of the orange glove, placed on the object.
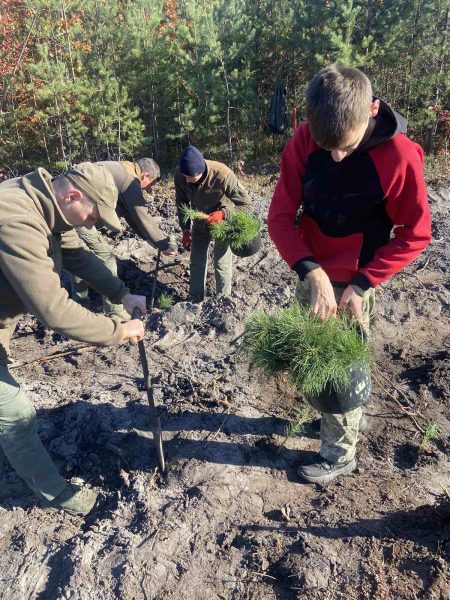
(216, 217)
(187, 239)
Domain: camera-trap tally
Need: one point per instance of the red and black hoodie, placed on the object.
(363, 219)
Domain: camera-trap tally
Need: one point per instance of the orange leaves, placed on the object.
(170, 16)
(13, 23)
(65, 24)
(84, 46)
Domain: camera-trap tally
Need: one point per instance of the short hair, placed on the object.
(338, 99)
(148, 165)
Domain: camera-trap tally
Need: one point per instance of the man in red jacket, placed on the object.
(359, 183)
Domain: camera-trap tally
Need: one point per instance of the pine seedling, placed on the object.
(236, 232)
(189, 214)
(314, 353)
(165, 301)
(304, 414)
(431, 433)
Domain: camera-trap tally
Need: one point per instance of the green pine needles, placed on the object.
(431, 434)
(189, 214)
(238, 231)
(165, 300)
(312, 352)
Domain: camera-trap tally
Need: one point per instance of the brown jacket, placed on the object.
(219, 189)
(35, 242)
(132, 205)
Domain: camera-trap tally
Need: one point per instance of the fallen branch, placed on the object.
(211, 433)
(55, 355)
(424, 266)
(397, 389)
(399, 404)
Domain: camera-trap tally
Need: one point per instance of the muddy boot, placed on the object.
(76, 500)
(322, 470)
(313, 428)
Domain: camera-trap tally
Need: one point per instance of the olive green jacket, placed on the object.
(35, 242)
(219, 189)
(132, 205)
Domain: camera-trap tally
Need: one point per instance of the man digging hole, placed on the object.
(359, 181)
(37, 216)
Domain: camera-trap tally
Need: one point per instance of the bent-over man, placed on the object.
(37, 216)
(131, 180)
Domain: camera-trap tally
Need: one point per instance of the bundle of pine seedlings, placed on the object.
(236, 232)
(314, 353)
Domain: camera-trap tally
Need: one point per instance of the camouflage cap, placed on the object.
(98, 184)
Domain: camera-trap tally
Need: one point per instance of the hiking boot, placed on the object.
(76, 500)
(322, 470)
(314, 426)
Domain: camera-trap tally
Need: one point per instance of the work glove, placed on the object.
(187, 239)
(216, 217)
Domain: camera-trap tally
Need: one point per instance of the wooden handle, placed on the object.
(136, 313)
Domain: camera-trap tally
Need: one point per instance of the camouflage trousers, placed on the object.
(97, 244)
(339, 432)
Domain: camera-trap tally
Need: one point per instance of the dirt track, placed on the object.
(231, 520)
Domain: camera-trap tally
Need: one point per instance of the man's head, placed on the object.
(150, 173)
(192, 164)
(86, 194)
(339, 103)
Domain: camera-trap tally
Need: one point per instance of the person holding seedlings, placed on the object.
(359, 182)
(212, 188)
(130, 179)
(37, 217)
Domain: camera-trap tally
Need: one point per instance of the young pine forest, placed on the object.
(107, 79)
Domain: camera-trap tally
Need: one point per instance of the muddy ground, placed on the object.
(231, 519)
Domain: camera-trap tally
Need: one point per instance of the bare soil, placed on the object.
(231, 520)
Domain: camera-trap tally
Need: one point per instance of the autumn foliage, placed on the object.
(107, 79)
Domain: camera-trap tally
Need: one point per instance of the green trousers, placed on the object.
(339, 432)
(223, 264)
(20, 443)
(94, 240)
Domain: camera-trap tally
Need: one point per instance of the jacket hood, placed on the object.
(387, 124)
(37, 185)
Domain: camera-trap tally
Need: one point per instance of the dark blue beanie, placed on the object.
(192, 162)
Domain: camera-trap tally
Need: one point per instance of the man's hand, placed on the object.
(187, 239)
(216, 217)
(323, 300)
(132, 301)
(133, 330)
(352, 303)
